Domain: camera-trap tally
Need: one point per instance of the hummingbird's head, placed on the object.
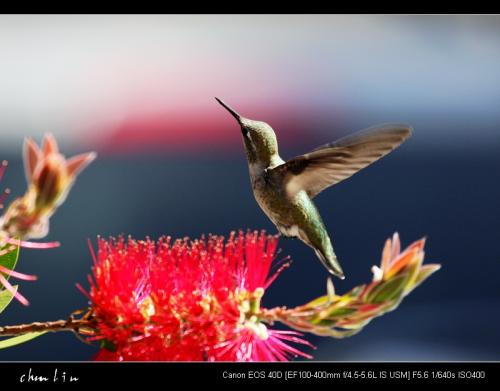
(259, 138)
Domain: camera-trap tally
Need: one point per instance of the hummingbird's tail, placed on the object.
(320, 242)
(331, 263)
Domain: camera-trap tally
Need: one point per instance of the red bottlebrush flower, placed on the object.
(187, 300)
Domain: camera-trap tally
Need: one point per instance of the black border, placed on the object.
(168, 375)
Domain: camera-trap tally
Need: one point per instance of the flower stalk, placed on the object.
(80, 326)
(345, 315)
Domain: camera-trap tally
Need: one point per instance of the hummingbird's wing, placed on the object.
(334, 162)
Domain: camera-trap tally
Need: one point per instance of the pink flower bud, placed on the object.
(50, 173)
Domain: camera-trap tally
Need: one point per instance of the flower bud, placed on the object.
(50, 174)
(51, 182)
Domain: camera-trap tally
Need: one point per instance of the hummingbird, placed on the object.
(285, 189)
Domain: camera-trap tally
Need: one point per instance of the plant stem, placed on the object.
(75, 325)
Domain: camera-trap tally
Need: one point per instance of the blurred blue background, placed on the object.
(139, 90)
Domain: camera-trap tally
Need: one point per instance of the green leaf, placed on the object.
(319, 301)
(341, 312)
(5, 298)
(9, 260)
(413, 269)
(392, 305)
(323, 322)
(426, 272)
(107, 344)
(356, 291)
(340, 333)
(388, 290)
(7, 343)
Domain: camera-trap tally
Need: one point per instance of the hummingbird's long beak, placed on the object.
(231, 111)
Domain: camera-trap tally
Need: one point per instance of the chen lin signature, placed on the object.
(58, 377)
